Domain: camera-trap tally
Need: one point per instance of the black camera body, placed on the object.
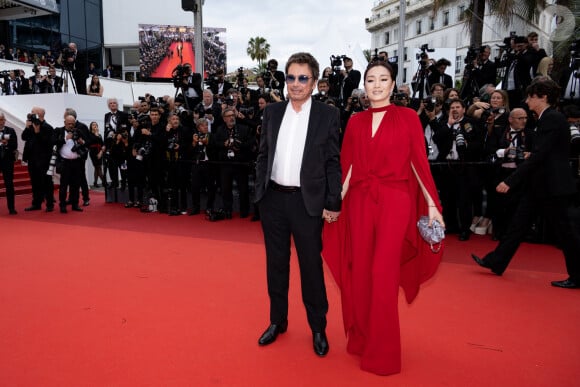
(34, 118)
(78, 148)
(430, 103)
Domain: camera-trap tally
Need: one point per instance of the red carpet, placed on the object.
(114, 297)
(168, 64)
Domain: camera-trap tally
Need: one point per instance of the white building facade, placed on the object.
(444, 29)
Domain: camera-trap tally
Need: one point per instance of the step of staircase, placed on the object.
(21, 181)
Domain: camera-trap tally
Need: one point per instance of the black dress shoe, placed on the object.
(77, 209)
(86, 202)
(12, 211)
(49, 208)
(320, 343)
(32, 208)
(228, 214)
(272, 332)
(484, 263)
(567, 283)
(63, 210)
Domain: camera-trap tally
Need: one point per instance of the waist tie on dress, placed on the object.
(371, 184)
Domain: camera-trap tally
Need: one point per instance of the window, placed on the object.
(461, 13)
(396, 53)
(431, 23)
(418, 27)
(404, 75)
(396, 33)
(446, 18)
(387, 38)
(458, 63)
(405, 54)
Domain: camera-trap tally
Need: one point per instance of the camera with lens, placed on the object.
(67, 55)
(34, 118)
(488, 112)
(4, 136)
(230, 100)
(472, 54)
(78, 147)
(430, 103)
(247, 111)
(179, 74)
(336, 60)
(516, 154)
(142, 150)
(240, 78)
(423, 54)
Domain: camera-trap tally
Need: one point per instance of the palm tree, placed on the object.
(258, 49)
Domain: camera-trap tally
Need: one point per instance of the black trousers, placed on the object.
(7, 168)
(284, 216)
(240, 173)
(70, 178)
(202, 177)
(42, 185)
(555, 211)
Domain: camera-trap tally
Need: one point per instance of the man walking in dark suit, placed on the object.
(548, 187)
(298, 182)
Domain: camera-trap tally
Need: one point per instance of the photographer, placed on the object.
(484, 70)
(8, 147)
(75, 62)
(464, 139)
(201, 177)
(218, 85)
(155, 173)
(38, 150)
(52, 83)
(274, 79)
(37, 81)
(234, 143)
(190, 84)
(353, 105)
(212, 110)
(323, 88)
(350, 78)
(13, 83)
(84, 132)
(438, 75)
(116, 122)
(432, 119)
(518, 67)
(71, 148)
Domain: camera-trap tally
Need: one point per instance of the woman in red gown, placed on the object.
(375, 246)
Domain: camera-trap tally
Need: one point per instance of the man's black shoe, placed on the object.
(484, 263)
(464, 236)
(228, 214)
(567, 284)
(63, 210)
(49, 208)
(320, 343)
(86, 202)
(32, 208)
(12, 211)
(272, 332)
(77, 209)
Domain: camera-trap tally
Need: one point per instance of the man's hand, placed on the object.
(502, 187)
(330, 216)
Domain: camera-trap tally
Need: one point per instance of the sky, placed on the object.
(288, 26)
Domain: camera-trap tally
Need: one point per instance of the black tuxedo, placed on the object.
(299, 213)
(350, 82)
(114, 124)
(435, 77)
(485, 74)
(547, 185)
(7, 152)
(214, 87)
(37, 153)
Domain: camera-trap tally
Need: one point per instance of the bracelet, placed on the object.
(433, 206)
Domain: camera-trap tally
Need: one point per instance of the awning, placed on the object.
(19, 9)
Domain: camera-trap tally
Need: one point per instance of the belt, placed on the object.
(283, 188)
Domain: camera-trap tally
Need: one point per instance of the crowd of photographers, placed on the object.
(168, 154)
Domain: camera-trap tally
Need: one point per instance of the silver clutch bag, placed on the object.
(432, 235)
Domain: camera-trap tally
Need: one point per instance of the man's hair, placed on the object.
(532, 35)
(304, 58)
(544, 86)
(442, 61)
(323, 80)
(70, 112)
(457, 100)
(272, 62)
(433, 86)
(154, 110)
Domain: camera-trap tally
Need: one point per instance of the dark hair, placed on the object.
(442, 61)
(323, 80)
(456, 100)
(304, 58)
(381, 64)
(272, 62)
(544, 86)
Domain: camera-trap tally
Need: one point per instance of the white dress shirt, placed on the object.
(290, 145)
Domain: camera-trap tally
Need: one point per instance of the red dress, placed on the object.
(375, 246)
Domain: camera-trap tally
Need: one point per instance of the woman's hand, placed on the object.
(434, 214)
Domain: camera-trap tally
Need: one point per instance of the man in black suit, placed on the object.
(38, 136)
(548, 187)
(517, 75)
(8, 147)
(484, 70)
(116, 122)
(350, 80)
(298, 182)
(53, 83)
(219, 86)
(438, 74)
(274, 78)
(77, 64)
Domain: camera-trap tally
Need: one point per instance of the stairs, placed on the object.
(21, 181)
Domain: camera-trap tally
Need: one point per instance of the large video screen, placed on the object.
(162, 48)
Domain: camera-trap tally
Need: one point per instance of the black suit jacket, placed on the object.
(320, 173)
(435, 77)
(547, 171)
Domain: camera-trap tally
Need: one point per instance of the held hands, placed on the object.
(502, 187)
(330, 216)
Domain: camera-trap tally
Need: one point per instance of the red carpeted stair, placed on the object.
(21, 181)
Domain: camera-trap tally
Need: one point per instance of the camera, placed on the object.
(4, 136)
(423, 54)
(52, 163)
(78, 148)
(142, 150)
(472, 54)
(240, 78)
(336, 60)
(487, 112)
(430, 103)
(34, 118)
(230, 100)
(247, 111)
